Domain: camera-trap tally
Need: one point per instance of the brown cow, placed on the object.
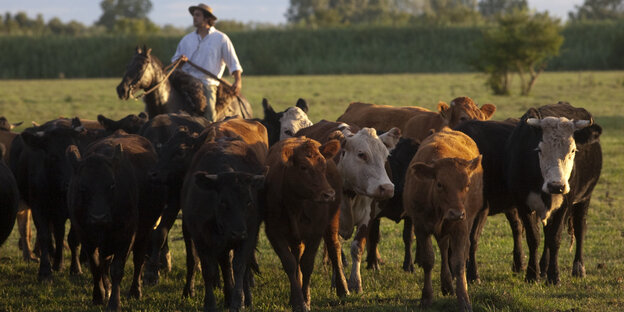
(380, 117)
(461, 109)
(442, 195)
(303, 191)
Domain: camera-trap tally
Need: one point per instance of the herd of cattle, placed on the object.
(123, 183)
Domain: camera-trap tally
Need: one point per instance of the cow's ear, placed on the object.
(588, 135)
(257, 181)
(330, 149)
(118, 156)
(442, 108)
(268, 110)
(17, 124)
(287, 154)
(105, 122)
(137, 50)
(301, 103)
(423, 170)
(77, 125)
(34, 140)
(73, 154)
(206, 180)
(391, 138)
(488, 110)
(143, 116)
(474, 163)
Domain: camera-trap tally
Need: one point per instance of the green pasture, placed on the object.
(389, 289)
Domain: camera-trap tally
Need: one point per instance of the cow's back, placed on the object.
(380, 117)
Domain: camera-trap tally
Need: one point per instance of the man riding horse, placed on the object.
(211, 50)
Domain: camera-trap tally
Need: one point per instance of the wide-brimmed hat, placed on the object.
(201, 6)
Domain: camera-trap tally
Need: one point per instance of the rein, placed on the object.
(213, 76)
(175, 65)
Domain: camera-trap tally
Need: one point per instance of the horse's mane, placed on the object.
(192, 90)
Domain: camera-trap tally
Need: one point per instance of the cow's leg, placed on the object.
(97, 270)
(458, 244)
(533, 239)
(372, 254)
(307, 266)
(579, 215)
(210, 272)
(23, 225)
(191, 256)
(225, 262)
(334, 251)
(44, 240)
(138, 259)
(244, 257)
(472, 271)
(552, 238)
(59, 239)
(446, 277)
(158, 238)
(408, 233)
(74, 243)
(516, 230)
(116, 272)
(357, 248)
(290, 265)
(425, 259)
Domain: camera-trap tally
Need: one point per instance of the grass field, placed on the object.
(390, 289)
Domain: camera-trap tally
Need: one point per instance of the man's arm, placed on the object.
(238, 81)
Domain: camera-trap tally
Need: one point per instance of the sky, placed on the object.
(175, 12)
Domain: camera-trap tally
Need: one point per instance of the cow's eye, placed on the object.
(289, 133)
(439, 185)
(362, 156)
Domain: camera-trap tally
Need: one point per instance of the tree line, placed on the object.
(131, 16)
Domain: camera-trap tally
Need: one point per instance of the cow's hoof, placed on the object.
(408, 266)
(150, 277)
(355, 286)
(75, 270)
(135, 292)
(426, 302)
(447, 289)
(188, 292)
(45, 278)
(578, 270)
(555, 280)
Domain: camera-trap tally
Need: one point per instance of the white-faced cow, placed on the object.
(552, 164)
(443, 193)
(361, 164)
(285, 124)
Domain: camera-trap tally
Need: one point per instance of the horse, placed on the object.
(176, 92)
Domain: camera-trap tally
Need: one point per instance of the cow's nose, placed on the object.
(385, 191)
(455, 215)
(555, 188)
(238, 235)
(329, 195)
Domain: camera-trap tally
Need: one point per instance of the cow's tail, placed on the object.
(571, 233)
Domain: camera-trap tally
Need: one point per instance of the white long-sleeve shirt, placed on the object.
(213, 53)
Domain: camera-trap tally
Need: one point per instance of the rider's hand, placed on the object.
(183, 58)
(237, 86)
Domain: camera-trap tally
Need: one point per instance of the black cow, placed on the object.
(553, 161)
(159, 129)
(490, 137)
(392, 208)
(9, 198)
(113, 207)
(42, 171)
(130, 124)
(220, 214)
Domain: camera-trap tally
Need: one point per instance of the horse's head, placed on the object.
(139, 74)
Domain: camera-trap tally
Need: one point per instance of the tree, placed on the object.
(521, 43)
(492, 8)
(599, 10)
(115, 10)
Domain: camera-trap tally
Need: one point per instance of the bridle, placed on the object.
(173, 67)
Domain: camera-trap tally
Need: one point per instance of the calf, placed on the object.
(361, 166)
(461, 109)
(221, 214)
(443, 193)
(113, 207)
(9, 198)
(303, 190)
(553, 161)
